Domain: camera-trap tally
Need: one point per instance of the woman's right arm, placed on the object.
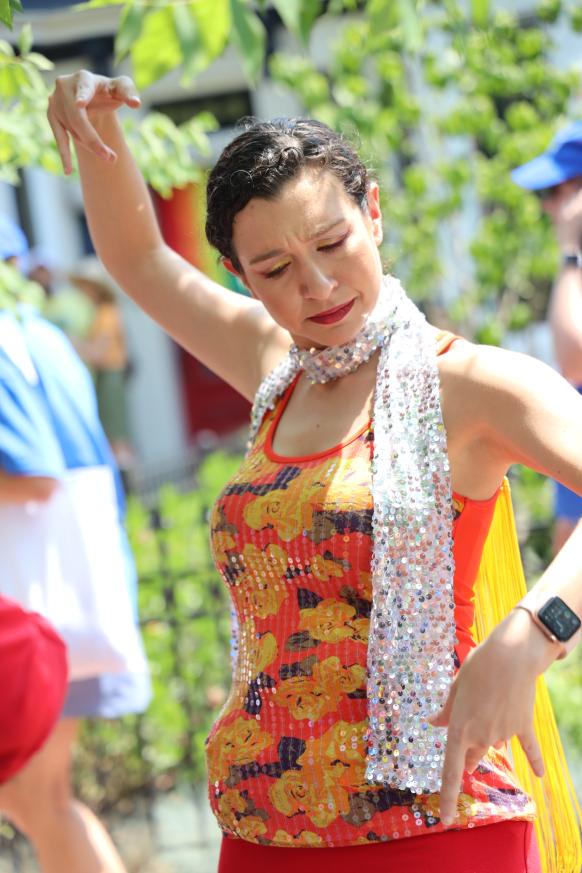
(229, 333)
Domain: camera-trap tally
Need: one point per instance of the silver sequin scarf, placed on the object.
(412, 626)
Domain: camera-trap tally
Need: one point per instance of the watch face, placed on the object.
(559, 619)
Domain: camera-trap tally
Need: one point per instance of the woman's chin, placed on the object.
(325, 339)
(340, 334)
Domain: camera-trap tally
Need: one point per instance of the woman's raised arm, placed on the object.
(230, 334)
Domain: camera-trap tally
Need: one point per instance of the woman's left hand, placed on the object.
(491, 700)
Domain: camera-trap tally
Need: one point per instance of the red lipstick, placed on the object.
(333, 315)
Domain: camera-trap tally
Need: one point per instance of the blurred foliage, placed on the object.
(7, 10)
(565, 683)
(443, 97)
(25, 135)
(160, 37)
(186, 626)
(443, 100)
(15, 289)
(169, 155)
(533, 504)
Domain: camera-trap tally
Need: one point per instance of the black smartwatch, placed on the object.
(554, 618)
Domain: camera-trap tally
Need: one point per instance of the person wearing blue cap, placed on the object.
(49, 434)
(556, 177)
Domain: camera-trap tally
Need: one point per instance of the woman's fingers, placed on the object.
(63, 145)
(474, 756)
(453, 768)
(532, 750)
(442, 717)
(123, 89)
(85, 86)
(87, 136)
(74, 100)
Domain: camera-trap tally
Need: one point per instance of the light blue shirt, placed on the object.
(48, 411)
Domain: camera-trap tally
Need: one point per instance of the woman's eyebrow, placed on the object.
(264, 256)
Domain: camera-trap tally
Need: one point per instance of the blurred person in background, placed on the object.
(64, 305)
(49, 426)
(556, 177)
(104, 350)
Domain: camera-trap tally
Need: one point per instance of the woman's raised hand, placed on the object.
(78, 99)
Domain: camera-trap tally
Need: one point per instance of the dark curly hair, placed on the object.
(266, 155)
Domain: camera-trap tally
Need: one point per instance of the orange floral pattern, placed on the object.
(286, 759)
(328, 621)
(314, 792)
(237, 743)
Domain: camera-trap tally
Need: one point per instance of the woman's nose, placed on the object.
(315, 283)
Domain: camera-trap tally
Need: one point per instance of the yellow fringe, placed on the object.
(500, 584)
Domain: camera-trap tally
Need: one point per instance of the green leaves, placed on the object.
(162, 38)
(24, 41)
(480, 12)
(411, 26)
(157, 51)
(169, 156)
(7, 10)
(25, 136)
(299, 16)
(249, 36)
(202, 33)
(130, 28)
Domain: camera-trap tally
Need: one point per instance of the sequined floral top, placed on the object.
(291, 538)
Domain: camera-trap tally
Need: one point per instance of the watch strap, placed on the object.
(560, 647)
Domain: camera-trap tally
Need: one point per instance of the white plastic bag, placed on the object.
(64, 558)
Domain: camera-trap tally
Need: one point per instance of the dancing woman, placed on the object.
(371, 704)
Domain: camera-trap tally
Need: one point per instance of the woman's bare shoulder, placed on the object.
(517, 409)
(487, 367)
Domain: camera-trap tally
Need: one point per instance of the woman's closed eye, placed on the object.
(327, 247)
(279, 269)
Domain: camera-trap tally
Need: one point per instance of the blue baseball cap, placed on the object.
(561, 161)
(13, 242)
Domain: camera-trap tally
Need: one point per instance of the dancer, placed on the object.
(352, 536)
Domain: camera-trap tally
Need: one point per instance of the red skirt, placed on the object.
(507, 847)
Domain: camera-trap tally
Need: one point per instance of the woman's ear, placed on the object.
(238, 273)
(231, 268)
(375, 212)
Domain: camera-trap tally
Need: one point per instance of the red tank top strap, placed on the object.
(445, 339)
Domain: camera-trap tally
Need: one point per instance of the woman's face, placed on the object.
(556, 198)
(311, 257)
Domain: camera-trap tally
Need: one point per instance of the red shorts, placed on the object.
(507, 847)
